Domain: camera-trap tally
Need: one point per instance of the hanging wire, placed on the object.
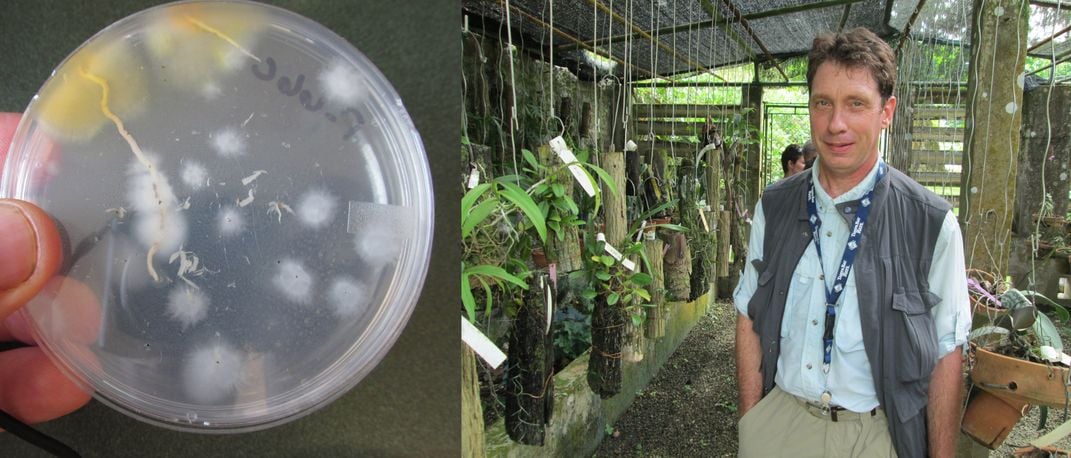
(513, 125)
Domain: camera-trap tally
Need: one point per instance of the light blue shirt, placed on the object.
(799, 367)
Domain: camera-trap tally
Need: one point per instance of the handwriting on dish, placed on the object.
(293, 87)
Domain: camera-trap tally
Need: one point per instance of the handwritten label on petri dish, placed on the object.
(293, 87)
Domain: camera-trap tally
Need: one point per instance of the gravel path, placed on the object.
(689, 408)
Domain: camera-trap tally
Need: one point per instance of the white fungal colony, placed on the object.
(159, 224)
(342, 84)
(316, 208)
(293, 281)
(228, 142)
(212, 373)
(187, 305)
(377, 243)
(230, 222)
(348, 297)
(194, 175)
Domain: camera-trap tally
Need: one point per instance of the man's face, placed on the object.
(847, 115)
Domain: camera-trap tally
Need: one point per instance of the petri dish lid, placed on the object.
(247, 212)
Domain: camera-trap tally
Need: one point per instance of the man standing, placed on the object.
(853, 306)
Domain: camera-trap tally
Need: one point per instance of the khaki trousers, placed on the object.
(784, 425)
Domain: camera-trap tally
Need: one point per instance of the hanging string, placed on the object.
(513, 125)
(553, 101)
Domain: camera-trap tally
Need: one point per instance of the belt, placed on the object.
(835, 413)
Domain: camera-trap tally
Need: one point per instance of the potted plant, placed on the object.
(1015, 361)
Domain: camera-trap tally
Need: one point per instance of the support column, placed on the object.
(752, 179)
(994, 117)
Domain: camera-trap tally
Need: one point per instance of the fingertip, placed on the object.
(45, 258)
(33, 390)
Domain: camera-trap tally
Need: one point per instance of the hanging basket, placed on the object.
(529, 393)
(1018, 380)
(678, 268)
(608, 326)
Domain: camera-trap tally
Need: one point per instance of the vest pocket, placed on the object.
(917, 347)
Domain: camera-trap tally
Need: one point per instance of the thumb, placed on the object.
(29, 253)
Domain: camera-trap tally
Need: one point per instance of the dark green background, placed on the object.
(410, 404)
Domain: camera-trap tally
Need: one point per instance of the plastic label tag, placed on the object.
(566, 155)
(703, 217)
(613, 251)
(480, 344)
(629, 264)
(640, 233)
(630, 146)
(548, 299)
(474, 178)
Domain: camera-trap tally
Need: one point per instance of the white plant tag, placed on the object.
(629, 264)
(566, 155)
(480, 344)
(703, 216)
(613, 251)
(474, 178)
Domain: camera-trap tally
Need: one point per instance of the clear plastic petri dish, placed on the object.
(246, 208)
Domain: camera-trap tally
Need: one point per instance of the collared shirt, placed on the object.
(799, 367)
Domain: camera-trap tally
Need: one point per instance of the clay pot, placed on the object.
(1017, 380)
(989, 418)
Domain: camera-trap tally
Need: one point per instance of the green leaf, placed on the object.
(604, 276)
(530, 159)
(478, 214)
(637, 320)
(607, 261)
(1047, 333)
(523, 201)
(571, 206)
(558, 189)
(471, 195)
(467, 299)
(604, 176)
(612, 298)
(1060, 311)
(589, 294)
(641, 279)
(495, 272)
(643, 294)
(673, 227)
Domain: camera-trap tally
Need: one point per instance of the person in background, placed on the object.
(853, 305)
(792, 161)
(810, 153)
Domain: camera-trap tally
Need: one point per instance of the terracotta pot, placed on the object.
(1018, 381)
(989, 418)
(539, 258)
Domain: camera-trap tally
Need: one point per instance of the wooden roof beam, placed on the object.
(910, 22)
(1050, 38)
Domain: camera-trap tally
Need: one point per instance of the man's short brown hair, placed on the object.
(857, 48)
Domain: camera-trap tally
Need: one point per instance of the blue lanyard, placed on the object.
(847, 259)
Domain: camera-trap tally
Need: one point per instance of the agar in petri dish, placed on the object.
(247, 208)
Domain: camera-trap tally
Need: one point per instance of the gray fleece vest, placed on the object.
(891, 273)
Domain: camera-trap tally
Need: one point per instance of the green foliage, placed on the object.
(572, 333)
(609, 278)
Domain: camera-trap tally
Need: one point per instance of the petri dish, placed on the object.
(246, 209)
